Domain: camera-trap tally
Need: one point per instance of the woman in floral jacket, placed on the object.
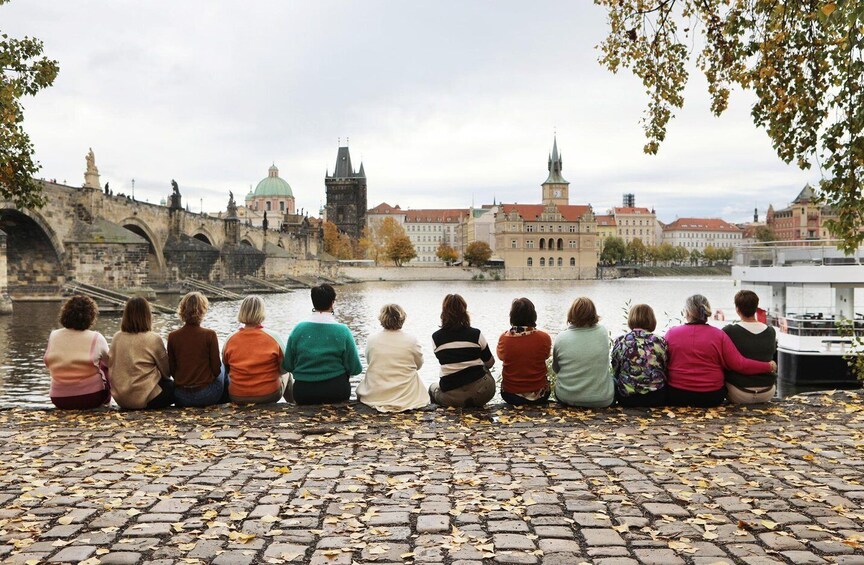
(639, 360)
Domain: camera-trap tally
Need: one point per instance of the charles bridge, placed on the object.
(116, 242)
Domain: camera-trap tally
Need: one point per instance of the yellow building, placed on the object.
(551, 240)
(636, 223)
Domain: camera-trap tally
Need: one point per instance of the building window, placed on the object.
(560, 262)
(572, 244)
(530, 262)
(542, 261)
(572, 229)
(529, 244)
(268, 205)
(560, 244)
(572, 261)
(542, 243)
(542, 228)
(551, 261)
(281, 205)
(529, 228)
(513, 244)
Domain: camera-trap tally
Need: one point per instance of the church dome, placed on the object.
(273, 185)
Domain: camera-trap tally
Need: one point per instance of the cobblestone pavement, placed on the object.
(783, 483)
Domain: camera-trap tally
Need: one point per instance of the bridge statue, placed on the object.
(264, 222)
(176, 199)
(91, 175)
(232, 206)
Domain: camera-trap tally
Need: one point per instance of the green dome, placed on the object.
(273, 185)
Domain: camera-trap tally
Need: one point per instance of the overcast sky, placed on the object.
(445, 102)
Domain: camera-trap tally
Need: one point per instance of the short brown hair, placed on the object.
(454, 313)
(582, 313)
(642, 317)
(79, 313)
(747, 302)
(192, 307)
(522, 313)
(392, 317)
(136, 316)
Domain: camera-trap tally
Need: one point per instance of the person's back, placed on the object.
(73, 360)
(137, 363)
(391, 382)
(320, 355)
(253, 357)
(754, 340)
(321, 349)
(581, 361)
(193, 356)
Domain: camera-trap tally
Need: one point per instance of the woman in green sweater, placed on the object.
(320, 355)
(580, 358)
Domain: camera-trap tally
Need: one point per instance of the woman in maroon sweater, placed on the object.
(523, 350)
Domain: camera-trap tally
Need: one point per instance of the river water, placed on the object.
(24, 380)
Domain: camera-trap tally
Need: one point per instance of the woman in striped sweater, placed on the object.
(465, 359)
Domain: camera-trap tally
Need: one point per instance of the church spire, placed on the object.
(555, 165)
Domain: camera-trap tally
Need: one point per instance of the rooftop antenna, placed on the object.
(347, 141)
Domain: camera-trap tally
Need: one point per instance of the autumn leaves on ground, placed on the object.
(781, 483)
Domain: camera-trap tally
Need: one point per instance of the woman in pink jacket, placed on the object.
(698, 354)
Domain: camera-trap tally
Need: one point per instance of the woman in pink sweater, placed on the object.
(76, 358)
(698, 354)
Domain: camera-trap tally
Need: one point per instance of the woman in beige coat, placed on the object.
(391, 383)
(138, 361)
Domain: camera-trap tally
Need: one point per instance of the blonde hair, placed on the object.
(582, 313)
(192, 307)
(251, 311)
(642, 317)
(392, 317)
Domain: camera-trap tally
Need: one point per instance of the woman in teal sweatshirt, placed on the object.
(580, 358)
(320, 355)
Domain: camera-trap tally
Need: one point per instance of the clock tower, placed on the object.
(556, 190)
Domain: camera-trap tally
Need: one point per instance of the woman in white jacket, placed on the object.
(391, 383)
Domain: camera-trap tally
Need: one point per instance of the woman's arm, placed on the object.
(161, 356)
(351, 359)
(485, 352)
(215, 363)
(732, 359)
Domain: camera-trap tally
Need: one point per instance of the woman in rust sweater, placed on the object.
(193, 357)
(523, 349)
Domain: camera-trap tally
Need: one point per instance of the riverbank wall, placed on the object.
(681, 271)
(366, 274)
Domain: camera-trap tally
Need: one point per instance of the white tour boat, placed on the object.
(808, 290)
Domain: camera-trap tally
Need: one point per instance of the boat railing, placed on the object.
(798, 252)
(814, 326)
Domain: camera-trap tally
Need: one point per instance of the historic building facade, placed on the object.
(426, 228)
(699, 233)
(550, 240)
(346, 195)
(803, 219)
(632, 222)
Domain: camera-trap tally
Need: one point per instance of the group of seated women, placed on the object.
(695, 364)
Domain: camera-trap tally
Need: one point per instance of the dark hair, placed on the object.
(323, 297)
(454, 313)
(522, 313)
(79, 313)
(136, 316)
(582, 313)
(642, 317)
(747, 302)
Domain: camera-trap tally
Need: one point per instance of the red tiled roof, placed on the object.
(605, 220)
(384, 208)
(701, 224)
(531, 212)
(628, 210)
(445, 215)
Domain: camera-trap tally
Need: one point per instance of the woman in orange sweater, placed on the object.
(523, 350)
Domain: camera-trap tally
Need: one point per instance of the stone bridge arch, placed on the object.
(156, 257)
(36, 255)
(205, 235)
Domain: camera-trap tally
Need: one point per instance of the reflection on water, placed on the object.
(24, 379)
